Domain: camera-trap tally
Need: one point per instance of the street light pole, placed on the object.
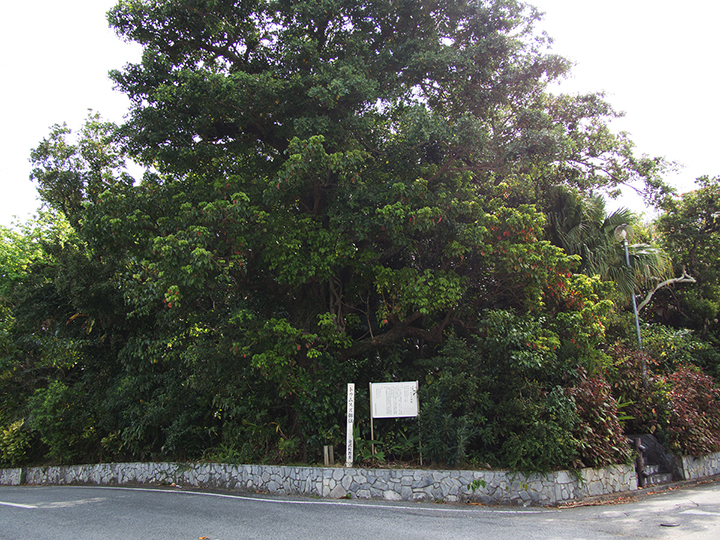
(634, 302)
(622, 232)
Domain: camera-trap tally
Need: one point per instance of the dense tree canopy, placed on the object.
(690, 226)
(335, 191)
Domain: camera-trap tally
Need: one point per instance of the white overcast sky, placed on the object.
(657, 60)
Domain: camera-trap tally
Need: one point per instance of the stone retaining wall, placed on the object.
(692, 468)
(488, 487)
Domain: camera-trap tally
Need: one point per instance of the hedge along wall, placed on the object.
(488, 487)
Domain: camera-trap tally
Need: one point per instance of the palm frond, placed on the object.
(581, 226)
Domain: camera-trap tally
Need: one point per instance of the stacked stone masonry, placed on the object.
(488, 487)
(692, 468)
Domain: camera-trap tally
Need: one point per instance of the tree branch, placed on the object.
(685, 278)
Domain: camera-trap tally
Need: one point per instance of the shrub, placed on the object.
(65, 426)
(445, 438)
(14, 443)
(672, 347)
(598, 430)
(454, 402)
(694, 412)
(644, 396)
(537, 431)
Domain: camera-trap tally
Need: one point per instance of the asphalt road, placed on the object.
(104, 513)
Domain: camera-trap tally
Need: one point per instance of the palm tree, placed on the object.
(581, 225)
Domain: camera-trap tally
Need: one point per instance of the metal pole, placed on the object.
(634, 303)
(635, 312)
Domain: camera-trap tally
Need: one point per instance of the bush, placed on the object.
(681, 405)
(672, 347)
(598, 430)
(64, 424)
(454, 404)
(14, 443)
(693, 412)
(643, 395)
(538, 434)
(445, 438)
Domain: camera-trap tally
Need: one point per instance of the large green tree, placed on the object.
(333, 187)
(690, 227)
(348, 131)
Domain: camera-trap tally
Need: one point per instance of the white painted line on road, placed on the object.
(700, 513)
(368, 504)
(15, 505)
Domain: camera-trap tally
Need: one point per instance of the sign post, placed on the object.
(349, 441)
(392, 400)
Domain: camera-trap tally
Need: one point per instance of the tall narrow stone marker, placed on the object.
(349, 442)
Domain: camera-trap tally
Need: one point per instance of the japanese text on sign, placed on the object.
(394, 400)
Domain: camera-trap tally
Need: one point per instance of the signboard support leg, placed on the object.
(329, 454)
(419, 447)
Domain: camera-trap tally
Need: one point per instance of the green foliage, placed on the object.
(65, 426)
(671, 347)
(335, 192)
(529, 361)
(14, 444)
(690, 230)
(501, 401)
(363, 448)
(71, 175)
(446, 438)
(537, 430)
(677, 402)
(693, 412)
(581, 226)
(404, 442)
(19, 249)
(599, 430)
(477, 484)
(644, 395)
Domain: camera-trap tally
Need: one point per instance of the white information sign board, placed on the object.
(349, 442)
(394, 400)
